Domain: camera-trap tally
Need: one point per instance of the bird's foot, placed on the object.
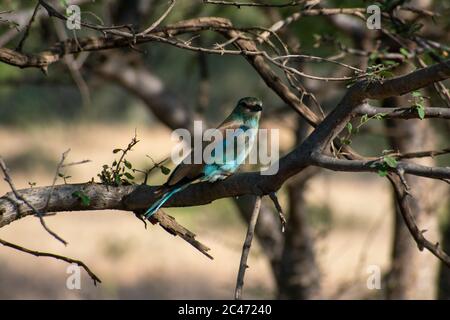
(220, 177)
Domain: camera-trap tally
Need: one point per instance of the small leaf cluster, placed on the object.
(120, 171)
(387, 162)
(64, 176)
(419, 104)
(83, 197)
(354, 130)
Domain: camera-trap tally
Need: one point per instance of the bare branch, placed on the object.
(335, 164)
(403, 200)
(246, 249)
(21, 198)
(55, 256)
(27, 30)
(158, 22)
(256, 4)
(58, 167)
(402, 112)
(169, 224)
(275, 201)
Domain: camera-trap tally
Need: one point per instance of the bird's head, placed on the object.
(249, 105)
(248, 108)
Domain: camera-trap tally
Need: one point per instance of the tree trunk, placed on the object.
(444, 271)
(413, 273)
(299, 274)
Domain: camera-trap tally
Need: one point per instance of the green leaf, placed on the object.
(127, 164)
(85, 200)
(346, 141)
(390, 161)
(404, 52)
(349, 128)
(389, 63)
(420, 111)
(380, 116)
(382, 172)
(129, 175)
(165, 170)
(117, 150)
(364, 119)
(386, 74)
(416, 94)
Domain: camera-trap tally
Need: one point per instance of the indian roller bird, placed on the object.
(242, 123)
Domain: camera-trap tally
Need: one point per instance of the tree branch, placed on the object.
(402, 112)
(404, 197)
(55, 256)
(246, 249)
(335, 164)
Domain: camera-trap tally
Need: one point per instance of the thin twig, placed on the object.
(58, 167)
(158, 22)
(246, 249)
(27, 30)
(55, 256)
(114, 30)
(74, 67)
(76, 163)
(274, 198)
(19, 197)
(254, 4)
(132, 143)
(421, 154)
(319, 59)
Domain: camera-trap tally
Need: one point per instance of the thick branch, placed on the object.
(402, 112)
(73, 46)
(371, 166)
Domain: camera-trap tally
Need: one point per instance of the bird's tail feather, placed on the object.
(158, 204)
